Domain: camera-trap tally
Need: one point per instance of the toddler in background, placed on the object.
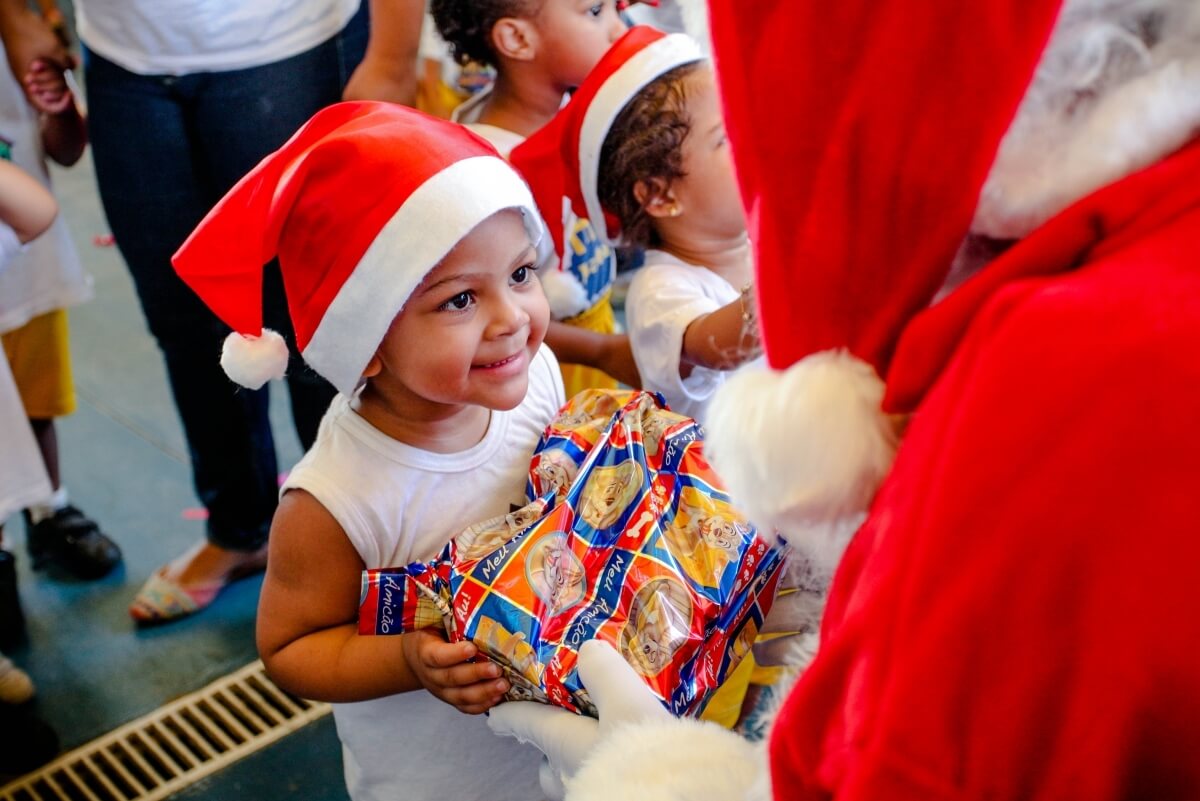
(646, 142)
(26, 210)
(39, 285)
(641, 145)
(414, 243)
(542, 49)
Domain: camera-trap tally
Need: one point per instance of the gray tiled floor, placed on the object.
(124, 462)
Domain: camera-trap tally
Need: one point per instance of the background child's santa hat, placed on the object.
(854, 228)
(358, 206)
(562, 159)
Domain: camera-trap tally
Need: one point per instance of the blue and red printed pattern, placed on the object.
(630, 538)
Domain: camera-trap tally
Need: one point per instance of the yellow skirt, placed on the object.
(576, 377)
(39, 355)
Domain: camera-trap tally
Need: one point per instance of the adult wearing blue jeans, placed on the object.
(183, 102)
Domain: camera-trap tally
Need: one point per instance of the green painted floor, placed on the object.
(124, 463)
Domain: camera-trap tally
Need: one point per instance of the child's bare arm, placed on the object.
(307, 632)
(723, 339)
(608, 352)
(25, 205)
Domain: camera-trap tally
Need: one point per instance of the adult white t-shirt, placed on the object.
(178, 37)
(665, 296)
(399, 504)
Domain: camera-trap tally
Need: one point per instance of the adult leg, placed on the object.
(146, 168)
(273, 101)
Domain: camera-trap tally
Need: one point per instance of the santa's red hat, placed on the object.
(358, 206)
(845, 260)
(562, 159)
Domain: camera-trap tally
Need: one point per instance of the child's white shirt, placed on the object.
(399, 504)
(46, 274)
(665, 297)
(23, 478)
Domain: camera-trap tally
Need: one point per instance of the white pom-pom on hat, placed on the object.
(805, 447)
(566, 295)
(253, 361)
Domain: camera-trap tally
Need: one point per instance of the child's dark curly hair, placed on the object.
(645, 144)
(466, 25)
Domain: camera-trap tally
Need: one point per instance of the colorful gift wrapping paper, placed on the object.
(630, 538)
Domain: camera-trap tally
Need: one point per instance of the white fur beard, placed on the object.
(1110, 98)
(695, 22)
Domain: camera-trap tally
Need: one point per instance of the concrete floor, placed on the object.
(123, 460)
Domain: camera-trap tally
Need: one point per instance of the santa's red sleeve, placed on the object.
(1017, 618)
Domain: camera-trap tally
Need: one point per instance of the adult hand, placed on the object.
(47, 88)
(28, 38)
(444, 669)
(383, 79)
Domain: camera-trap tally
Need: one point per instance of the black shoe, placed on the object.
(73, 542)
(26, 741)
(12, 621)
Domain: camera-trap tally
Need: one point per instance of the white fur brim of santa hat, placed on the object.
(432, 220)
(636, 60)
(358, 206)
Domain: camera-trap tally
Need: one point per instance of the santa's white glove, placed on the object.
(636, 749)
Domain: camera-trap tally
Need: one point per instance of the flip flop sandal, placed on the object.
(161, 600)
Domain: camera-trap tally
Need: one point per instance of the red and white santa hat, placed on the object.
(858, 190)
(562, 159)
(358, 206)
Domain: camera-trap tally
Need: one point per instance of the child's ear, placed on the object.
(514, 38)
(657, 198)
(374, 366)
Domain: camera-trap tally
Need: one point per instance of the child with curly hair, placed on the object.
(541, 50)
(647, 146)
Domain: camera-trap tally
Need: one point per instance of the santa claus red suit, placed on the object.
(1016, 618)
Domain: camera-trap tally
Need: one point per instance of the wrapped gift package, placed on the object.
(629, 538)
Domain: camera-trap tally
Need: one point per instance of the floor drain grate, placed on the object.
(174, 746)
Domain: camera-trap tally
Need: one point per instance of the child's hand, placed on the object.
(47, 87)
(443, 669)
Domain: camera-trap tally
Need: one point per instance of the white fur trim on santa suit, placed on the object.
(803, 449)
(253, 361)
(565, 294)
(620, 87)
(423, 230)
